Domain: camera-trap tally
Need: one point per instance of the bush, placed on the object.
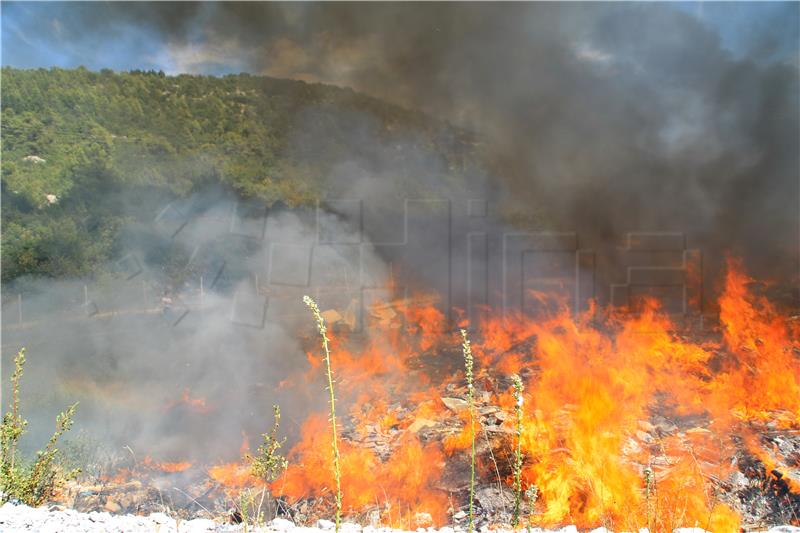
(268, 463)
(32, 483)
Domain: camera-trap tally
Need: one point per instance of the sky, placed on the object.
(123, 36)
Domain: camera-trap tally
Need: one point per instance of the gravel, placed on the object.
(21, 518)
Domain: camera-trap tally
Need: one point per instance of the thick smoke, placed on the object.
(182, 345)
(600, 119)
(181, 371)
(617, 118)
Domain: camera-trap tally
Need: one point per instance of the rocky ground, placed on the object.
(21, 518)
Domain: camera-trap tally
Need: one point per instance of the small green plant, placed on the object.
(649, 482)
(245, 502)
(34, 483)
(466, 348)
(268, 463)
(518, 388)
(533, 494)
(249, 510)
(323, 332)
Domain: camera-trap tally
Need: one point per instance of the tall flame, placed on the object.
(593, 383)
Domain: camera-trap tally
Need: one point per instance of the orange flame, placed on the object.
(178, 466)
(592, 385)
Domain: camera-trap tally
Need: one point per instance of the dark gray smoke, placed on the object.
(602, 118)
(597, 119)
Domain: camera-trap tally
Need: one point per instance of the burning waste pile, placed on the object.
(597, 420)
(412, 203)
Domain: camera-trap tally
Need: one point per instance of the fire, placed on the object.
(761, 380)
(596, 386)
(591, 384)
(148, 467)
(234, 476)
(400, 486)
(196, 404)
(178, 466)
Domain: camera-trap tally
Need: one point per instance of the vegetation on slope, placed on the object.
(85, 152)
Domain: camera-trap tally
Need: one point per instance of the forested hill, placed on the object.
(79, 148)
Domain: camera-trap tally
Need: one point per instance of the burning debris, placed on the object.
(626, 424)
(200, 208)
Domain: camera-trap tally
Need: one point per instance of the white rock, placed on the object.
(459, 515)
(198, 525)
(445, 529)
(160, 518)
(568, 529)
(281, 524)
(96, 516)
(690, 530)
(305, 530)
(52, 526)
(325, 524)
(784, 529)
(349, 527)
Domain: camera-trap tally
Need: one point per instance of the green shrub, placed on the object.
(32, 483)
(268, 463)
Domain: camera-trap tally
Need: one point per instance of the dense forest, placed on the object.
(81, 149)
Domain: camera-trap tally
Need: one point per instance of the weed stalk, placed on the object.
(518, 388)
(648, 489)
(323, 331)
(533, 494)
(466, 348)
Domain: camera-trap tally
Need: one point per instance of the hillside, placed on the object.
(84, 153)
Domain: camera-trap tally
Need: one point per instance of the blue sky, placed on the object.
(745, 28)
(55, 34)
(43, 35)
